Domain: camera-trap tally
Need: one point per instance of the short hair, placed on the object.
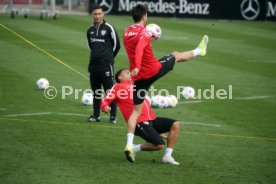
(95, 7)
(118, 73)
(138, 12)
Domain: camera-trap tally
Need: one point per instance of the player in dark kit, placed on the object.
(104, 44)
(145, 68)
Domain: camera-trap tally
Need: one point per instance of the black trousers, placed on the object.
(150, 130)
(141, 87)
(102, 76)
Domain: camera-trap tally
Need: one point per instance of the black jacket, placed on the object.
(104, 44)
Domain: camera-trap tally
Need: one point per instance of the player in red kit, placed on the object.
(148, 126)
(145, 68)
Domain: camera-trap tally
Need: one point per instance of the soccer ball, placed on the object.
(172, 101)
(87, 99)
(42, 83)
(188, 92)
(162, 102)
(155, 100)
(155, 30)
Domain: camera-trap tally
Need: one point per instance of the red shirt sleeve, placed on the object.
(139, 50)
(110, 97)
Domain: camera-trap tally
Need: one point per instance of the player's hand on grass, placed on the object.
(107, 109)
(134, 72)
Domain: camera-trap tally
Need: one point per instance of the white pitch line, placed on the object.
(70, 114)
(252, 97)
(191, 102)
(27, 114)
(3, 109)
(238, 98)
(47, 113)
(74, 114)
(201, 124)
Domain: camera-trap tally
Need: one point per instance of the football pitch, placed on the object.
(221, 140)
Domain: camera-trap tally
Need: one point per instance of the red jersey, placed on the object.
(121, 93)
(137, 42)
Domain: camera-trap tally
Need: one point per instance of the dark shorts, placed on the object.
(141, 87)
(150, 130)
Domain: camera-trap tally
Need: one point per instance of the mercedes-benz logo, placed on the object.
(250, 9)
(106, 4)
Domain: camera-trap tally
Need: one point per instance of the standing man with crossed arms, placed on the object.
(104, 44)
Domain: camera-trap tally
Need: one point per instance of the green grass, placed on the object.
(57, 148)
